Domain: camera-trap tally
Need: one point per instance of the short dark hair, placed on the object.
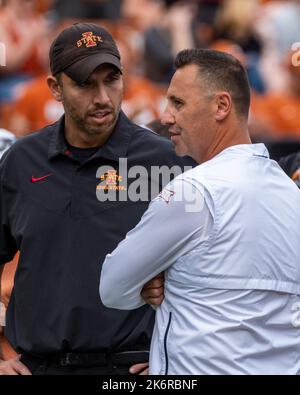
(220, 71)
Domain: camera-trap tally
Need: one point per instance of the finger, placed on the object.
(8, 372)
(144, 372)
(155, 301)
(138, 367)
(153, 293)
(149, 296)
(154, 284)
(21, 369)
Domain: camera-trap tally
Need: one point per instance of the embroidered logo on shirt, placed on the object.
(166, 195)
(112, 180)
(37, 179)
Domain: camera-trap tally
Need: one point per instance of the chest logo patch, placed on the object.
(37, 179)
(111, 181)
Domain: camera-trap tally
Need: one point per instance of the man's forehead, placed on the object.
(184, 79)
(187, 75)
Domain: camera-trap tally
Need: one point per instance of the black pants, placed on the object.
(40, 366)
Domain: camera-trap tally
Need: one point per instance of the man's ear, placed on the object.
(55, 87)
(223, 105)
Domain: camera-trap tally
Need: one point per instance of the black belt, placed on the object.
(124, 358)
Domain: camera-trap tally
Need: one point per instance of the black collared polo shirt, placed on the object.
(50, 212)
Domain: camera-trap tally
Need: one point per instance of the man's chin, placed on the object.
(97, 130)
(179, 150)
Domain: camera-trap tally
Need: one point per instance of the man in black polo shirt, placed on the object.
(65, 204)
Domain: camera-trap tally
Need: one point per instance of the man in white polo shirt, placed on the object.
(226, 233)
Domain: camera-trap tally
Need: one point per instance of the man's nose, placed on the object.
(167, 118)
(101, 96)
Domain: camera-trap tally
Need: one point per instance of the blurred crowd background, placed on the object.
(263, 34)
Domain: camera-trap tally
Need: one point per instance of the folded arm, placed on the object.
(175, 223)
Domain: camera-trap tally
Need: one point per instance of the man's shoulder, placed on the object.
(39, 137)
(25, 146)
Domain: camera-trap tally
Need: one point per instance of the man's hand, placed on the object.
(13, 367)
(153, 290)
(141, 368)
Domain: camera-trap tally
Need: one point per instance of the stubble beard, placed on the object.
(83, 125)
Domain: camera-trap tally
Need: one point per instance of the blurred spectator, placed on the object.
(205, 23)
(87, 9)
(6, 140)
(169, 33)
(25, 35)
(34, 108)
(43, 6)
(143, 100)
(236, 22)
(164, 27)
(256, 82)
(141, 14)
(276, 114)
(230, 47)
(278, 26)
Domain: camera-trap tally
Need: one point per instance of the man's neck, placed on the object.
(228, 138)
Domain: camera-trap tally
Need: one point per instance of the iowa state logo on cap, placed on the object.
(89, 40)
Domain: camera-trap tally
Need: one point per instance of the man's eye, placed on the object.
(177, 103)
(84, 84)
(112, 78)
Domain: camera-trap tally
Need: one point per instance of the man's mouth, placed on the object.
(100, 117)
(99, 114)
(174, 133)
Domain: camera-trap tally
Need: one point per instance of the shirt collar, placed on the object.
(247, 149)
(115, 148)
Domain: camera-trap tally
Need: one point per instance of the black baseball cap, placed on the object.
(80, 49)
